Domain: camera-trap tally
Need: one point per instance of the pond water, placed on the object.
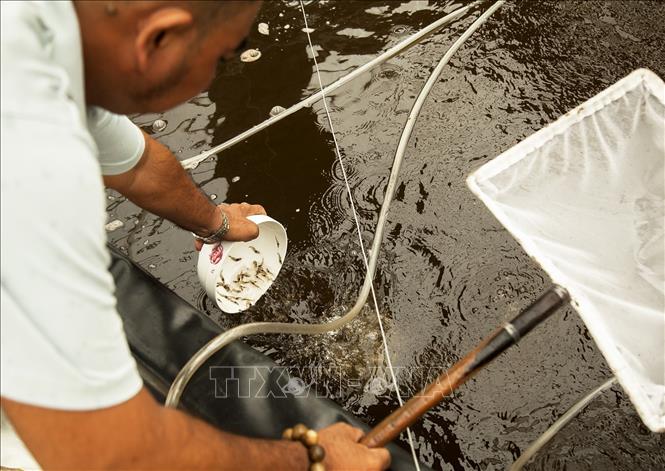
(448, 272)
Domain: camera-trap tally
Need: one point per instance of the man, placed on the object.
(69, 384)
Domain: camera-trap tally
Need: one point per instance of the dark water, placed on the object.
(448, 273)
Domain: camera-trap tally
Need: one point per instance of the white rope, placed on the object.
(253, 328)
(360, 238)
(402, 46)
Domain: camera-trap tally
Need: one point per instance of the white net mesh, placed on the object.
(585, 197)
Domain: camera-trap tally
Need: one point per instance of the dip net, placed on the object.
(585, 198)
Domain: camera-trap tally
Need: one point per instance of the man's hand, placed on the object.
(240, 228)
(343, 452)
(139, 434)
(159, 184)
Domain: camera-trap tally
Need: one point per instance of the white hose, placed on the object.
(223, 339)
(559, 424)
(192, 162)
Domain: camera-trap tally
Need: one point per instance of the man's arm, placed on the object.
(141, 434)
(159, 184)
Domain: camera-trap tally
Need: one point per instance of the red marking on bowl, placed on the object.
(216, 254)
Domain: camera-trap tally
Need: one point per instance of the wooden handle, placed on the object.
(390, 427)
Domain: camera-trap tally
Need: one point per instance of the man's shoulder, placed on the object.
(36, 81)
(22, 37)
(33, 29)
(41, 123)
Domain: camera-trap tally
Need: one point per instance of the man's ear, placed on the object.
(158, 30)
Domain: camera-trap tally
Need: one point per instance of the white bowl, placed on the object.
(237, 274)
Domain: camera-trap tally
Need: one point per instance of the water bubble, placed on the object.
(113, 225)
(401, 30)
(264, 29)
(235, 179)
(275, 110)
(386, 72)
(250, 55)
(307, 30)
(158, 125)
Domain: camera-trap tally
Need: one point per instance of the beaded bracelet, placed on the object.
(310, 439)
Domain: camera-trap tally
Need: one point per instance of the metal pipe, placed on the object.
(412, 40)
(390, 427)
(559, 424)
(223, 339)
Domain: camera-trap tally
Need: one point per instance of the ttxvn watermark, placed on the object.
(323, 382)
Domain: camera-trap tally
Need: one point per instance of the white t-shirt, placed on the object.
(62, 340)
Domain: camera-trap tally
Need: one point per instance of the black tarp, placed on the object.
(164, 331)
